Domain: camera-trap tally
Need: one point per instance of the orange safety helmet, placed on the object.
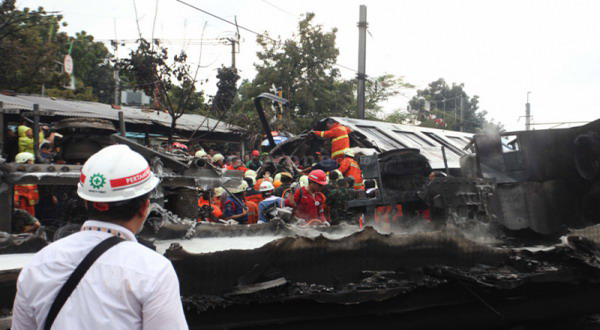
(318, 176)
(277, 183)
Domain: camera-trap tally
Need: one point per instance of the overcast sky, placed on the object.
(500, 50)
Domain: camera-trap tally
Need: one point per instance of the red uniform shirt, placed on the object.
(309, 206)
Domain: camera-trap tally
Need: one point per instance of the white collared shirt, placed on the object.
(128, 287)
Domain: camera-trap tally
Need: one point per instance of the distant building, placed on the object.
(134, 98)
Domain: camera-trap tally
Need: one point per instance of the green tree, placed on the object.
(170, 82)
(303, 66)
(445, 104)
(381, 89)
(92, 65)
(227, 89)
(30, 46)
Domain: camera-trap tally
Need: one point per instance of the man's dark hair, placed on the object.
(45, 145)
(370, 183)
(286, 179)
(117, 211)
(333, 175)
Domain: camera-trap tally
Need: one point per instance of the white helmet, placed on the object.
(217, 157)
(349, 152)
(250, 174)
(266, 186)
(239, 188)
(200, 153)
(23, 157)
(115, 173)
(303, 180)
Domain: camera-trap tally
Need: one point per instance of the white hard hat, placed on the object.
(277, 177)
(115, 173)
(250, 174)
(240, 188)
(217, 157)
(349, 152)
(303, 181)
(266, 186)
(200, 153)
(23, 157)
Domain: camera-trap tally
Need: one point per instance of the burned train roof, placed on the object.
(389, 136)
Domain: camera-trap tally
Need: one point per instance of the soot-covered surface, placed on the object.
(421, 280)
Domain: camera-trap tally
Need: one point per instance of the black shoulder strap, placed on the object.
(76, 276)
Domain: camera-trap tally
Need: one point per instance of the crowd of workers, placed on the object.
(317, 194)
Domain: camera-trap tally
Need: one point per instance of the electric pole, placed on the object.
(462, 107)
(362, 54)
(233, 41)
(528, 114)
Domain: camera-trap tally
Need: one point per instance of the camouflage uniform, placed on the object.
(338, 212)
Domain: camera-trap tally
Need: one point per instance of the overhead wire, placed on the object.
(249, 30)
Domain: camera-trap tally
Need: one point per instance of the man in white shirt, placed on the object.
(127, 287)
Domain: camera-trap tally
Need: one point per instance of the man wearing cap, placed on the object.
(266, 189)
(100, 277)
(234, 207)
(217, 161)
(308, 202)
(339, 138)
(255, 163)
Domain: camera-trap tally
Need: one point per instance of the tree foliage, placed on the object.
(32, 50)
(303, 66)
(170, 82)
(227, 89)
(30, 47)
(445, 104)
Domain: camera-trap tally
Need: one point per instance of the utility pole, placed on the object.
(462, 108)
(528, 114)
(233, 41)
(362, 54)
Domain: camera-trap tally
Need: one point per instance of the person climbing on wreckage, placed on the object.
(269, 201)
(350, 167)
(234, 209)
(308, 202)
(121, 284)
(339, 138)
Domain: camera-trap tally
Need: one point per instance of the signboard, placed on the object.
(68, 64)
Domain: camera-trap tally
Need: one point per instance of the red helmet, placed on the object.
(318, 176)
(179, 145)
(255, 153)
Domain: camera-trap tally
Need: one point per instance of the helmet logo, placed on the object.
(97, 181)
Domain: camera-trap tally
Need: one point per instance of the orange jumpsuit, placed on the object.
(26, 196)
(339, 140)
(252, 212)
(348, 167)
(216, 210)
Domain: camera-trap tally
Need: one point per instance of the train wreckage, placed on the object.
(469, 265)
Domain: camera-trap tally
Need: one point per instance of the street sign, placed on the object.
(68, 64)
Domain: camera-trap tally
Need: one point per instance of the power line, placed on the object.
(249, 30)
(282, 10)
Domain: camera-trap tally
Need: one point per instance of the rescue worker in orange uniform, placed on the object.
(206, 200)
(350, 167)
(26, 195)
(237, 165)
(339, 138)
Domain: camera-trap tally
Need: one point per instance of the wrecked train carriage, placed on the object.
(546, 180)
(179, 181)
(399, 158)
